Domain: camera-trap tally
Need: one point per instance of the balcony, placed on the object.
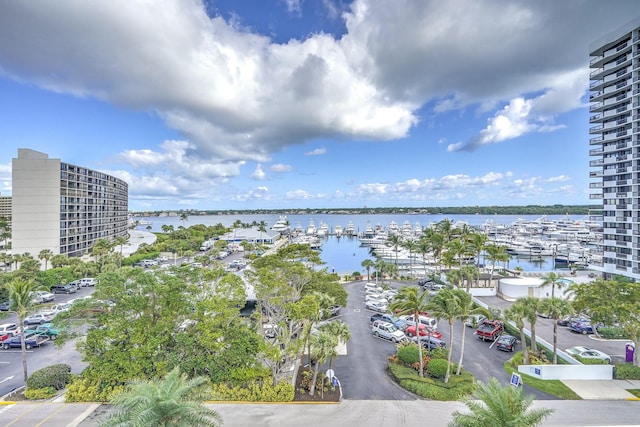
(598, 162)
(595, 196)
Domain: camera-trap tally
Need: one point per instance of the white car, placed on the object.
(372, 286)
(378, 306)
(40, 297)
(378, 298)
(588, 353)
(387, 331)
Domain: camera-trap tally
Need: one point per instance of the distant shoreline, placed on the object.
(452, 210)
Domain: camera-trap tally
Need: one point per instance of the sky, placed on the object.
(283, 104)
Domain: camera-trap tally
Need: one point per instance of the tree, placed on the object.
(555, 308)
(499, 406)
(120, 241)
(46, 255)
(21, 296)
(531, 307)
(446, 305)
(395, 241)
(174, 401)
(338, 330)
(411, 300)
(100, 248)
(554, 280)
(516, 313)
(368, 264)
(495, 253)
(465, 309)
(322, 346)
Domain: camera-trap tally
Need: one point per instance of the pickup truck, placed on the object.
(30, 341)
(489, 329)
(45, 330)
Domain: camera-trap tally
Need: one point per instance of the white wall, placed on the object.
(568, 372)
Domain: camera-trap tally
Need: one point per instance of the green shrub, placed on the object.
(40, 393)
(437, 368)
(612, 333)
(56, 376)
(588, 361)
(438, 353)
(430, 388)
(254, 392)
(626, 372)
(87, 390)
(409, 354)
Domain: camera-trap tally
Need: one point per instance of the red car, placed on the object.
(424, 332)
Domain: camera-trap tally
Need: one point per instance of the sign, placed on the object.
(515, 380)
(330, 374)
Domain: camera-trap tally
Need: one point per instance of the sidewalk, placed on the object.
(603, 389)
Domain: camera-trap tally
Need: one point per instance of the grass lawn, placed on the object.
(553, 387)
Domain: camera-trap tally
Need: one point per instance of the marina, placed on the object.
(534, 243)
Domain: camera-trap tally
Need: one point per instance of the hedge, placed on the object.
(55, 376)
(626, 372)
(40, 393)
(254, 392)
(459, 386)
(86, 390)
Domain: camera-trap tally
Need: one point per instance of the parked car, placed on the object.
(588, 353)
(30, 341)
(378, 306)
(581, 327)
(63, 289)
(474, 320)
(379, 298)
(430, 343)
(5, 305)
(88, 281)
(38, 318)
(77, 284)
(40, 297)
(506, 342)
(489, 329)
(57, 308)
(429, 321)
(566, 320)
(387, 331)
(372, 286)
(424, 331)
(46, 330)
(10, 329)
(386, 317)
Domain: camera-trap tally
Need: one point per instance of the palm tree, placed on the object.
(495, 253)
(6, 259)
(457, 250)
(323, 345)
(46, 255)
(554, 280)
(465, 309)
(531, 305)
(99, 248)
(395, 241)
(21, 296)
(516, 313)
(469, 272)
(368, 264)
(340, 331)
(412, 246)
(499, 406)
(446, 305)
(555, 308)
(174, 401)
(410, 300)
(120, 241)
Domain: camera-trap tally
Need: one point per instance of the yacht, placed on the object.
(311, 229)
(350, 230)
(281, 225)
(337, 230)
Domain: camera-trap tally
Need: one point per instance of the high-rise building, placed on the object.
(5, 208)
(615, 147)
(63, 207)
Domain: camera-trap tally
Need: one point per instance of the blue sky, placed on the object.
(240, 104)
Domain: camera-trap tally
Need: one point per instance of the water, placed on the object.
(345, 255)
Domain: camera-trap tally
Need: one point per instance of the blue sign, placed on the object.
(537, 371)
(515, 380)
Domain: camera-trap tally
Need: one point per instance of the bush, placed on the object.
(457, 387)
(437, 368)
(409, 354)
(254, 392)
(589, 361)
(87, 390)
(612, 332)
(55, 376)
(40, 393)
(626, 372)
(438, 353)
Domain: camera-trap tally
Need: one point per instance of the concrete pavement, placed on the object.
(603, 390)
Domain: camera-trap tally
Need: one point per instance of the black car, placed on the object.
(506, 342)
(63, 289)
(4, 306)
(430, 343)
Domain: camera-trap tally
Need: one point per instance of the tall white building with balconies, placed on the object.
(615, 147)
(63, 207)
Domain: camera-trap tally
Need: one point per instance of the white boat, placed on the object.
(323, 229)
(311, 229)
(281, 225)
(350, 229)
(337, 230)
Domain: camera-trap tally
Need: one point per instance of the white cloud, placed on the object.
(258, 173)
(279, 167)
(559, 178)
(316, 152)
(298, 195)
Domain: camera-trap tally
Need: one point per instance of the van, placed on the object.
(430, 322)
(9, 329)
(87, 281)
(387, 331)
